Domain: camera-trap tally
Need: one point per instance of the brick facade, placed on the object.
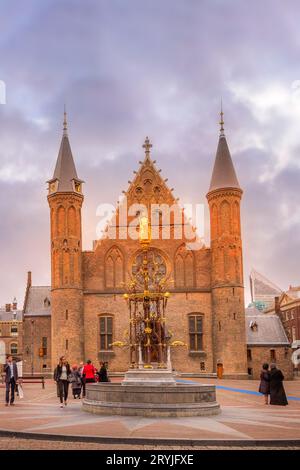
(36, 358)
(258, 355)
(206, 306)
(11, 332)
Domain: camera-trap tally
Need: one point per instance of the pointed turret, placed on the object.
(224, 175)
(65, 201)
(65, 177)
(224, 198)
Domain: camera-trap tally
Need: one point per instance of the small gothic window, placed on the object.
(46, 302)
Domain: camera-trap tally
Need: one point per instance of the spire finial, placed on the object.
(147, 146)
(65, 128)
(221, 120)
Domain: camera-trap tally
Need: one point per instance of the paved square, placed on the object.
(244, 416)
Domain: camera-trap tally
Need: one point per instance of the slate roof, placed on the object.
(269, 330)
(35, 304)
(65, 171)
(223, 175)
(9, 316)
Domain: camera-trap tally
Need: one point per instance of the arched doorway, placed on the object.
(220, 370)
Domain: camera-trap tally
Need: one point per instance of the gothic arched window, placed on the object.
(114, 268)
(184, 267)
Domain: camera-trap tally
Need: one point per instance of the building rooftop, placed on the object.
(9, 316)
(38, 301)
(264, 329)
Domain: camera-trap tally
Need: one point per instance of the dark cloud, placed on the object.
(131, 69)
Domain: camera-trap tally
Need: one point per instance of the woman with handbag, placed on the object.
(75, 380)
(61, 376)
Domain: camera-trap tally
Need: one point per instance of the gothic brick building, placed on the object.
(206, 306)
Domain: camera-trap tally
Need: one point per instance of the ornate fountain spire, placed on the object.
(147, 146)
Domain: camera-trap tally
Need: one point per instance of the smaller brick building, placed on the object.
(267, 342)
(37, 329)
(287, 308)
(11, 332)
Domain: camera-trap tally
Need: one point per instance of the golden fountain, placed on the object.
(149, 340)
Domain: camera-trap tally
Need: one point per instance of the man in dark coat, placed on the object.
(277, 393)
(11, 379)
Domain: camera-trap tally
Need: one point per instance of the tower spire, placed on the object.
(65, 171)
(65, 124)
(224, 175)
(221, 121)
(147, 146)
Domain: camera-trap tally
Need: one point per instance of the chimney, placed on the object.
(29, 279)
(7, 307)
(277, 306)
(15, 304)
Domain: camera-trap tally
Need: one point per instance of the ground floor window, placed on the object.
(196, 332)
(14, 348)
(106, 332)
(273, 355)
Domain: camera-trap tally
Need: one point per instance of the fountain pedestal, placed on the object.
(151, 393)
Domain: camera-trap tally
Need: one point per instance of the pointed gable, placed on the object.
(148, 188)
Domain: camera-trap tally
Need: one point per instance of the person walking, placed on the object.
(89, 372)
(264, 386)
(61, 376)
(277, 392)
(81, 367)
(11, 379)
(75, 379)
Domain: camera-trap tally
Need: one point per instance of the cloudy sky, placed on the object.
(127, 69)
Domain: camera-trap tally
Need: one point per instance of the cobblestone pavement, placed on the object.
(34, 444)
(243, 416)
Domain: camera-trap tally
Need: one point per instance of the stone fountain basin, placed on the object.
(151, 400)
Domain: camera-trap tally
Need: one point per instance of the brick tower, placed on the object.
(224, 198)
(65, 200)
